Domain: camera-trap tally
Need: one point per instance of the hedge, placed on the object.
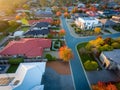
(15, 61)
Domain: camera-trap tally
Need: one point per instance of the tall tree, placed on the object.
(65, 53)
(43, 3)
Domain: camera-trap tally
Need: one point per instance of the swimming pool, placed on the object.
(2, 68)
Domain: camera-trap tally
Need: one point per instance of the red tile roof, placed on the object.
(30, 47)
(49, 20)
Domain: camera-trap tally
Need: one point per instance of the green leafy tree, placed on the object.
(25, 6)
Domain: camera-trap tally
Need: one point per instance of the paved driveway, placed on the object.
(54, 81)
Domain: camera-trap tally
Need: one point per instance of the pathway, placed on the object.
(79, 75)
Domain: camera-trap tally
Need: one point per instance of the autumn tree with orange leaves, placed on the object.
(17, 17)
(58, 13)
(62, 32)
(66, 14)
(103, 86)
(65, 53)
(97, 30)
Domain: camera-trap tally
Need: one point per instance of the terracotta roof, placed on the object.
(49, 20)
(30, 47)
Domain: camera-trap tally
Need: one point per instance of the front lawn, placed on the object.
(12, 69)
(87, 58)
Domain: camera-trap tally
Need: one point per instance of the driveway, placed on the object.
(54, 81)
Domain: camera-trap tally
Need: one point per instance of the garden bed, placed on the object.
(87, 58)
(12, 69)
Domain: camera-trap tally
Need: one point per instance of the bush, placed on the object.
(50, 36)
(116, 45)
(73, 25)
(48, 56)
(90, 65)
(15, 61)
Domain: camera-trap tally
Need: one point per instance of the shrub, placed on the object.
(50, 36)
(73, 25)
(115, 45)
(48, 56)
(90, 65)
(106, 47)
(15, 61)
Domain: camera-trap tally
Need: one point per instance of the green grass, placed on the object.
(1, 37)
(24, 29)
(86, 56)
(11, 29)
(81, 45)
(12, 69)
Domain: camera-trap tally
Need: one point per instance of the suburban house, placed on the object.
(32, 22)
(108, 13)
(111, 59)
(27, 77)
(18, 33)
(39, 29)
(43, 14)
(81, 5)
(92, 13)
(116, 18)
(87, 23)
(28, 47)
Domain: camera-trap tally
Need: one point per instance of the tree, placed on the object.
(13, 23)
(17, 17)
(90, 65)
(108, 40)
(97, 30)
(74, 10)
(58, 13)
(66, 14)
(111, 87)
(10, 11)
(57, 22)
(65, 53)
(25, 6)
(24, 21)
(61, 32)
(43, 3)
(106, 47)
